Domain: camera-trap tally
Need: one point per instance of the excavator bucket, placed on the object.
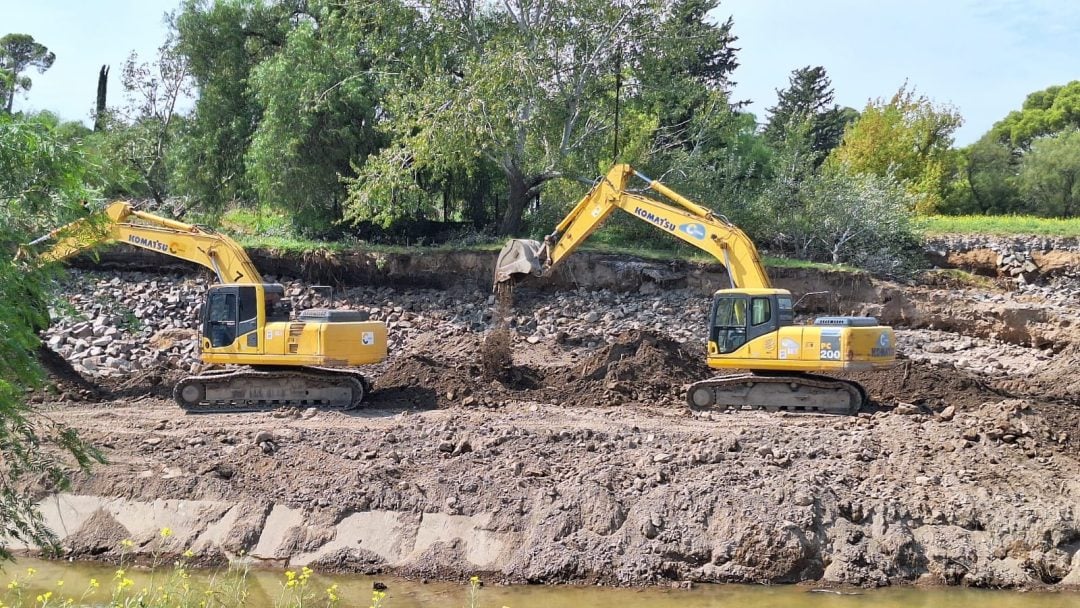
(518, 258)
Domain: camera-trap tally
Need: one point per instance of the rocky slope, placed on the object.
(582, 463)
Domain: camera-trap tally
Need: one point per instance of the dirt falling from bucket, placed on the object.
(495, 356)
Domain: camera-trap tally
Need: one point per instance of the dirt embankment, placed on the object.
(579, 461)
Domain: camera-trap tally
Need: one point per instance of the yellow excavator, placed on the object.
(751, 326)
(308, 360)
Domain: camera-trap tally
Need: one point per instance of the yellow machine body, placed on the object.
(303, 360)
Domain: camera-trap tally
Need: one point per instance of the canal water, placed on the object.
(265, 588)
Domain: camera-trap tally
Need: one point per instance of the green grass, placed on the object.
(1002, 225)
(271, 230)
(301, 246)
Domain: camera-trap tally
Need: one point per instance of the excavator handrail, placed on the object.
(119, 222)
(685, 219)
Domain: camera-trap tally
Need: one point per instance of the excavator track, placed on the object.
(808, 393)
(255, 390)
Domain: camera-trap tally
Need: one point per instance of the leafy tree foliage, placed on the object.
(809, 98)
(41, 184)
(17, 53)
(321, 96)
(528, 87)
(223, 42)
(1045, 112)
(984, 180)
(1050, 175)
(138, 134)
(907, 137)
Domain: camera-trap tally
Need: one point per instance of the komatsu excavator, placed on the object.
(751, 326)
(306, 361)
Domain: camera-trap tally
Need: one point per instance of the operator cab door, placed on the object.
(738, 319)
(231, 312)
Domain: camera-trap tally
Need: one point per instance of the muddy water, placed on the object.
(265, 590)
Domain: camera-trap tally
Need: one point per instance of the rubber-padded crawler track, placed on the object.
(328, 377)
(850, 396)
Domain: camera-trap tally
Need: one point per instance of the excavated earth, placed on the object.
(549, 443)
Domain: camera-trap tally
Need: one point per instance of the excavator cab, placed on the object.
(232, 312)
(739, 316)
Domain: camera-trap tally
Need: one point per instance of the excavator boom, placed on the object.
(684, 219)
(121, 223)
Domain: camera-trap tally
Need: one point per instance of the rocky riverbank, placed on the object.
(583, 464)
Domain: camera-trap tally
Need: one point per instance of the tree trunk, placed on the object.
(99, 114)
(515, 204)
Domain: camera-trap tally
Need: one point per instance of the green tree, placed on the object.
(1045, 112)
(138, 134)
(990, 170)
(222, 43)
(17, 53)
(684, 80)
(321, 94)
(41, 184)
(809, 98)
(525, 86)
(1050, 175)
(907, 137)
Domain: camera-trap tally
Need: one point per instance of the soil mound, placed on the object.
(638, 366)
(924, 384)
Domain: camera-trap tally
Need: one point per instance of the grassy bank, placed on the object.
(1002, 225)
(271, 230)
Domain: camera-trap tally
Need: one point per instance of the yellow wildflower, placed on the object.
(59, 583)
(44, 597)
(166, 532)
(31, 571)
(13, 584)
(120, 574)
(94, 583)
(189, 554)
(127, 543)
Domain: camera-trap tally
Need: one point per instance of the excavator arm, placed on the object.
(684, 219)
(120, 223)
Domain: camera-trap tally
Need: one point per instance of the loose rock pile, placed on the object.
(109, 324)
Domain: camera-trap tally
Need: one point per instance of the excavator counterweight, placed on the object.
(751, 325)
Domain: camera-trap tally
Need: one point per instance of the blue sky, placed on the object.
(983, 57)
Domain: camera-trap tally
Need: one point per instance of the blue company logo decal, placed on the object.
(148, 243)
(695, 230)
(655, 219)
(884, 346)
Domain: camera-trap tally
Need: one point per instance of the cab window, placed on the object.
(731, 312)
(729, 323)
(760, 311)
